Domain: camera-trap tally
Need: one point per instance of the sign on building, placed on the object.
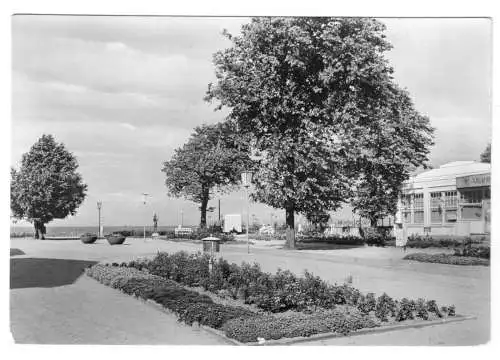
(473, 181)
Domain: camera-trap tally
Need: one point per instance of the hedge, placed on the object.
(447, 259)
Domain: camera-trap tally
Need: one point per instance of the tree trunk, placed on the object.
(373, 222)
(39, 230)
(203, 210)
(290, 227)
(43, 230)
(35, 224)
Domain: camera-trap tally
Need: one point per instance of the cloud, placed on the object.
(128, 126)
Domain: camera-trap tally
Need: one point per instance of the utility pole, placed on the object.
(246, 179)
(99, 206)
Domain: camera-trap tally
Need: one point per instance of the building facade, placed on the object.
(451, 200)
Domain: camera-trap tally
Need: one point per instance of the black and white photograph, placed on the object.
(250, 180)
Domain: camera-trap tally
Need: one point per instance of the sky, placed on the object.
(123, 92)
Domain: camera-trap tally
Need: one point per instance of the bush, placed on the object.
(405, 310)
(385, 307)
(293, 324)
(433, 308)
(331, 239)
(422, 310)
(482, 252)
(447, 259)
(423, 242)
(367, 303)
(376, 236)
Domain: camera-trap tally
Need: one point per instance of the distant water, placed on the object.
(79, 230)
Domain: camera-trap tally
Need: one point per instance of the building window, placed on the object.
(418, 209)
(487, 194)
(451, 205)
(436, 209)
(471, 196)
(472, 212)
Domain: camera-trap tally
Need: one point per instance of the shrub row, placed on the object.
(332, 239)
(423, 242)
(189, 306)
(482, 252)
(294, 324)
(274, 293)
(447, 259)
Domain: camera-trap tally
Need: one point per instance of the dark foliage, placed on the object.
(272, 327)
(447, 259)
(274, 293)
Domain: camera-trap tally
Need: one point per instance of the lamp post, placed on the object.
(99, 206)
(144, 198)
(246, 179)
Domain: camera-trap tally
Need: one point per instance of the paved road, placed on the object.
(372, 269)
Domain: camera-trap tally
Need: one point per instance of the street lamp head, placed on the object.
(99, 205)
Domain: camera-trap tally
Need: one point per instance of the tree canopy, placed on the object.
(314, 94)
(486, 154)
(395, 142)
(47, 186)
(211, 160)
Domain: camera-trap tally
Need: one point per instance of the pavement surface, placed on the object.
(80, 310)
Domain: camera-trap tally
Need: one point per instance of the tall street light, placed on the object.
(246, 179)
(144, 199)
(99, 206)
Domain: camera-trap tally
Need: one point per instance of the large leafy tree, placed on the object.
(307, 89)
(47, 186)
(211, 160)
(486, 154)
(395, 141)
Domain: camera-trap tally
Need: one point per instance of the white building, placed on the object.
(451, 200)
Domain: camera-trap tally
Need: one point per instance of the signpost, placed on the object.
(144, 198)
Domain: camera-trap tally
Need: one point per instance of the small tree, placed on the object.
(46, 186)
(212, 159)
(486, 154)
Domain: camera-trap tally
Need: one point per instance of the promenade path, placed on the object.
(372, 269)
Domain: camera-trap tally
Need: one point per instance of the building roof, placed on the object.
(446, 174)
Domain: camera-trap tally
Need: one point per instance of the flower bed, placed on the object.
(188, 305)
(296, 324)
(248, 304)
(447, 259)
